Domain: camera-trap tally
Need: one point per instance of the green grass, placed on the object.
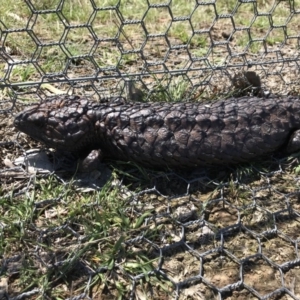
(72, 242)
(77, 227)
(105, 24)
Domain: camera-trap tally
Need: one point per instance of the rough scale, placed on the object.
(167, 134)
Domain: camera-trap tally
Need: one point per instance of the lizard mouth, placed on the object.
(25, 123)
(21, 123)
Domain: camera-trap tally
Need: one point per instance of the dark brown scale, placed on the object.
(167, 134)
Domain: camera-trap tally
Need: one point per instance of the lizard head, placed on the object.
(61, 123)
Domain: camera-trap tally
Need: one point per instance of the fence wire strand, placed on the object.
(196, 237)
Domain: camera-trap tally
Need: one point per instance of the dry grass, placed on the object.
(145, 234)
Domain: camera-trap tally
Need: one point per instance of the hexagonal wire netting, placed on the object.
(147, 50)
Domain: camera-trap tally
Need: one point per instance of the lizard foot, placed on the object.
(294, 142)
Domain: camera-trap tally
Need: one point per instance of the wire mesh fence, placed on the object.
(209, 234)
(208, 45)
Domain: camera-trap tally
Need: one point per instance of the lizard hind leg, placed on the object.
(294, 142)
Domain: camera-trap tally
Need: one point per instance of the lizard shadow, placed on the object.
(170, 182)
(173, 182)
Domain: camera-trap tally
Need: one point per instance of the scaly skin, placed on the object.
(166, 134)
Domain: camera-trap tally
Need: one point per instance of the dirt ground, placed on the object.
(219, 233)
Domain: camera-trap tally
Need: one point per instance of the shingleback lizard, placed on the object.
(167, 134)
